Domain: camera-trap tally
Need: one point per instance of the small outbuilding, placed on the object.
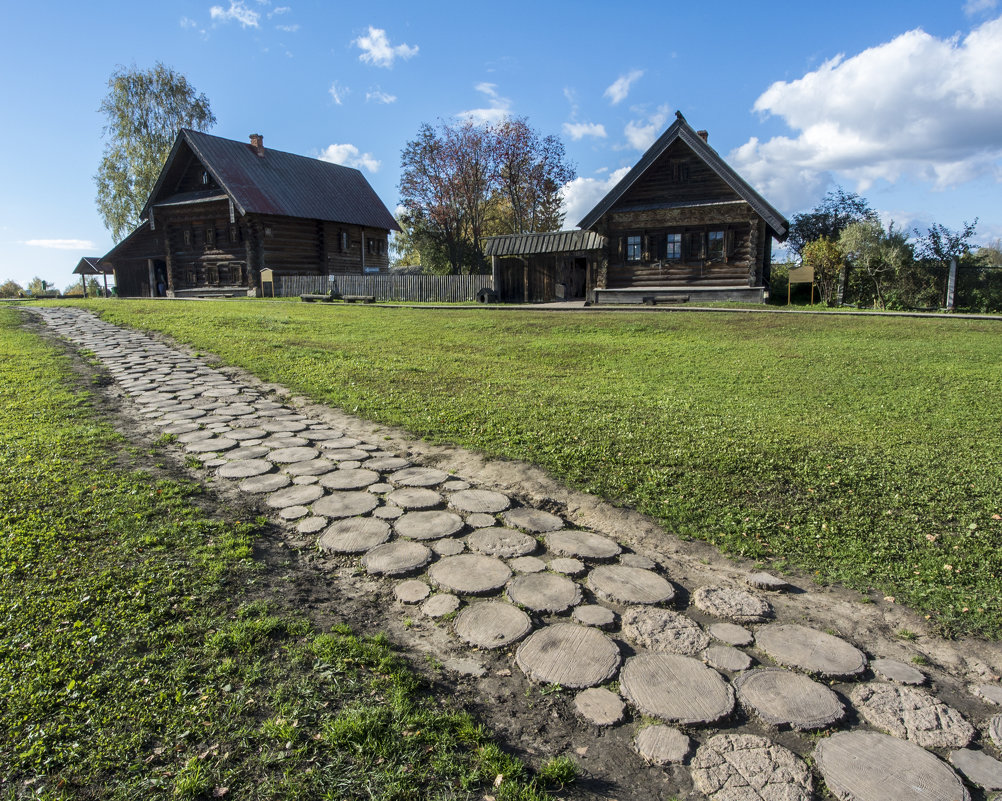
(90, 266)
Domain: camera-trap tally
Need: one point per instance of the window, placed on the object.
(673, 249)
(234, 233)
(715, 246)
(187, 236)
(633, 248)
(205, 177)
(210, 235)
(344, 241)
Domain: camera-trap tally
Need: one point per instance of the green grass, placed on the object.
(136, 662)
(864, 450)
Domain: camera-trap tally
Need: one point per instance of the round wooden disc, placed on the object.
(418, 477)
(676, 689)
(414, 498)
(470, 574)
(810, 650)
(632, 585)
(867, 766)
(582, 545)
(244, 468)
(411, 591)
(355, 479)
(396, 558)
(296, 495)
(492, 624)
(265, 483)
(296, 454)
(428, 525)
(503, 542)
(783, 698)
(484, 501)
(535, 521)
(313, 467)
(544, 592)
(387, 463)
(662, 745)
(354, 535)
(599, 706)
(568, 655)
(345, 504)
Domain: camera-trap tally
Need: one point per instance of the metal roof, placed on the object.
(88, 265)
(550, 242)
(680, 129)
(278, 183)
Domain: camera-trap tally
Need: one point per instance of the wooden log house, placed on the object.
(221, 211)
(681, 225)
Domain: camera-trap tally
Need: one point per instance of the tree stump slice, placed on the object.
(912, 714)
(599, 706)
(244, 468)
(568, 566)
(726, 657)
(291, 513)
(995, 730)
(783, 698)
(428, 525)
(535, 521)
(312, 467)
(385, 463)
(898, 672)
(636, 560)
(342, 455)
(630, 585)
(663, 630)
(675, 688)
(247, 452)
(988, 692)
(867, 766)
(503, 542)
(214, 445)
(470, 574)
(544, 592)
(479, 501)
(414, 498)
(568, 655)
(411, 591)
(311, 525)
(380, 488)
(352, 479)
(810, 650)
(732, 604)
(298, 495)
(481, 520)
(582, 545)
(440, 605)
(241, 434)
(978, 768)
(345, 504)
(418, 477)
(456, 484)
(448, 546)
(279, 426)
(729, 767)
(527, 564)
(295, 454)
(492, 624)
(396, 558)
(255, 485)
(662, 745)
(601, 617)
(354, 535)
(732, 634)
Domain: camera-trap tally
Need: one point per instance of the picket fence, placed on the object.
(420, 288)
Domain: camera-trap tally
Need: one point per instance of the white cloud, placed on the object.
(339, 92)
(350, 156)
(497, 110)
(188, 22)
(620, 88)
(237, 12)
(61, 244)
(974, 7)
(287, 28)
(642, 133)
(377, 50)
(582, 194)
(279, 10)
(917, 107)
(579, 130)
(377, 95)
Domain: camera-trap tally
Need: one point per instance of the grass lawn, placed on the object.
(867, 451)
(136, 663)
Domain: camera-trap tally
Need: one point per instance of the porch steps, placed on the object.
(656, 295)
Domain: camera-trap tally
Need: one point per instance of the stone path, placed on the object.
(573, 607)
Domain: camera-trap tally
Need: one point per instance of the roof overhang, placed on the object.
(540, 243)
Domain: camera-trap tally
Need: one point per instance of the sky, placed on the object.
(899, 101)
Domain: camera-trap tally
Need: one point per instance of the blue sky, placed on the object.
(901, 101)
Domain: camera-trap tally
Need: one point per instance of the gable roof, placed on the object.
(278, 183)
(89, 265)
(680, 129)
(548, 242)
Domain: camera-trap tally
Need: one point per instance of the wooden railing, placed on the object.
(415, 288)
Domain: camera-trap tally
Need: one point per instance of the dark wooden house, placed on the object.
(681, 225)
(221, 211)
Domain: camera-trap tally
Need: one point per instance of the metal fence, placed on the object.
(437, 288)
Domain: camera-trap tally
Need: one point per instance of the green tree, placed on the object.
(940, 245)
(10, 289)
(877, 256)
(144, 109)
(828, 261)
(828, 219)
(36, 286)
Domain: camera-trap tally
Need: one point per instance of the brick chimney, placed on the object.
(257, 142)
(704, 135)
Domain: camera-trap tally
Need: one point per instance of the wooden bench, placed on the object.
(329, 297)
(358, 298)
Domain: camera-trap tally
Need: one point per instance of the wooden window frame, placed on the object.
(673, 249)
(714, 254)
(639, 248)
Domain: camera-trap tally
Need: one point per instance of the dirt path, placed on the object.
(445, 523)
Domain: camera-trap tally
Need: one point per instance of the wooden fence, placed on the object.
(436, 288)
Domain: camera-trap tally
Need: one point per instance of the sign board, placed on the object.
(267, 283)
(800, 275)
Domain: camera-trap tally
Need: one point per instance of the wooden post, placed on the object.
(363, 251)
(494, 273)
(525, 280)
(951, 286)
(83, 285)
(153, 278)
(169, 258)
